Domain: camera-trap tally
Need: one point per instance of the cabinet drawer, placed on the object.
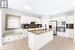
(8, 39)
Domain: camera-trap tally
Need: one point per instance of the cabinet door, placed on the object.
(63, 34)
(8, 39)
(70, 33)
(53, 24)
(70, 19)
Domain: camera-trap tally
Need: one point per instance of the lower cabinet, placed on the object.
(69, 33)
(63, 34)
(12, 38)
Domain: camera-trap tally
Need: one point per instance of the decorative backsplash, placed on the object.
(26, 26)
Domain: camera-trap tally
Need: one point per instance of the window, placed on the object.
(12, 22)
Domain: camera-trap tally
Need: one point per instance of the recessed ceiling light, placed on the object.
(27, 7)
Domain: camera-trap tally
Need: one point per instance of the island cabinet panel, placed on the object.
(37, 41)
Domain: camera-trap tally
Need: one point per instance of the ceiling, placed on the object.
(42, 7)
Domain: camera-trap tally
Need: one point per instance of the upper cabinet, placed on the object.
(70, 19)
(28, 19)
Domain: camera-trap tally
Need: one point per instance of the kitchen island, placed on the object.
(39, 38)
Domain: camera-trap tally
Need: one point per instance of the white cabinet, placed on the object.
(70, 33)
(27, 20)
(35, 42)
(69, 19)
(64, 34)
(6, 39)
(12, 38)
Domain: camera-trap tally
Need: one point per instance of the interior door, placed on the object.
(54, 25)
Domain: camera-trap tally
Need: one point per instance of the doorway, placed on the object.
(54, 26)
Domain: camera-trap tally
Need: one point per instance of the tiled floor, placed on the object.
(60, 43)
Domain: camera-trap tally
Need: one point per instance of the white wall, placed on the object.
(24, 17)
(70, 20)
(45, 20)
(1, 27)
(74, 24)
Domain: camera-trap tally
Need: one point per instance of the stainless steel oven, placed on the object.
(61, 29)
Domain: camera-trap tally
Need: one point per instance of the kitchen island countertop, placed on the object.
(40, 31)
